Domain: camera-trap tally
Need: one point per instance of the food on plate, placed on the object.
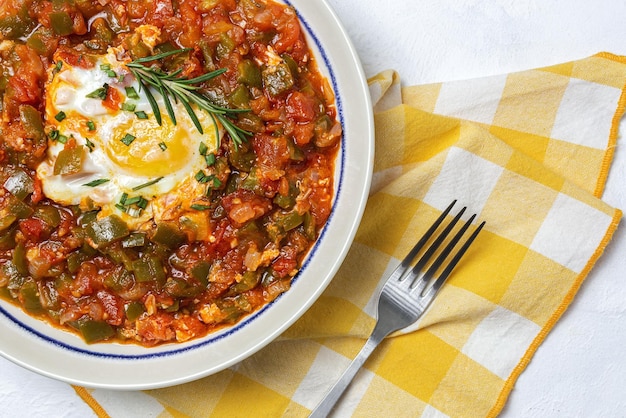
(166, 166)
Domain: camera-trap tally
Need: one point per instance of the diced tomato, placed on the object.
(75, 59)
(156, 328)
(113, 99)
(301, 107)
(33, 229)
(271, 151)
(113, 307)
(286, 262)
(244, 205)
(288, 35)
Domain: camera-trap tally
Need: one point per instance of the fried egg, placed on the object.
(124, 153)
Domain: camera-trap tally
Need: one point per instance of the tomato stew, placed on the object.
(270, 196)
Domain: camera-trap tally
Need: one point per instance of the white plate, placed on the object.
(64, 356)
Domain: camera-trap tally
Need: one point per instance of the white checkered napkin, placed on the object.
(544, 232)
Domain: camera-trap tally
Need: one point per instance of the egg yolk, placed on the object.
(147, 149)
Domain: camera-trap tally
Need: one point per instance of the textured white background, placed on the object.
(580, 370)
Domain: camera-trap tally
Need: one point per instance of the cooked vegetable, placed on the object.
(69, 161)
(62, 23)
(107, 230)
(155, 267)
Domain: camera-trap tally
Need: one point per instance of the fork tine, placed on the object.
(435, 246)
(406, 262)
(455, 259)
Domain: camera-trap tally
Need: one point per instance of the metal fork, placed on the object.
(406, 295)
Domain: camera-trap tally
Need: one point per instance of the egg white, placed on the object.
(168, 153)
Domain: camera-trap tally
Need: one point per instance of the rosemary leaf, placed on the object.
(162, 55)
(173, 86)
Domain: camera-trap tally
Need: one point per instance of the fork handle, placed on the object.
(323, 409)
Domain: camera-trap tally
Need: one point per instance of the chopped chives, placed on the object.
(163, 146)
(150, 183)
(203, 149)
(131, 93)
(134, 212)
(107, 69)
(210, 159)
(128, 139)
(54, 134)
(132, 200)
(141, 114)
(91, 126)
(89, 144)
(143, 203)
(215, 181)
(129, 107)
(201, 177)
(197, 206)
(138, 201)
(100, 93)
(60, 116)
(62, 139)
(96, 183)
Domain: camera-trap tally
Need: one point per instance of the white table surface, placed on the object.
(580, 370)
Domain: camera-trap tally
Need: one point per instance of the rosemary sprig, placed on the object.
(172, 86)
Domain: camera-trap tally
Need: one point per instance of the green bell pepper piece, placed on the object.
(149, 268)
(29, 296)
(61, 23)
(309, 226)
(249, 281)
(49, 214)
(179, 288)
(249, 74)
(134, 310)
(32, 122)
(10, 275)
(94, 331)
(17, 208)
(136, 239)
(225, 46)
(6, 222)
(17, 26)
(107, 230)
(277, 79)
(69, 161)
(240, 97)
(288, 221)
(103, 31)
(251, 182)
(19, 259)
(201, 272)
(120, 280)
(20, 184)
(7, 237)
(75, 259)
(168, 234)
(87, 217)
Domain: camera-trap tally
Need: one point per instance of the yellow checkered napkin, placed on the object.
(530, 153)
